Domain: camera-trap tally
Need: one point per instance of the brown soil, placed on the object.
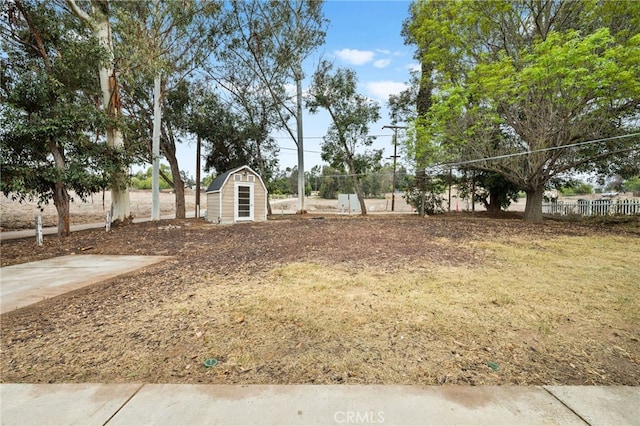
(159, 324)
(15, 215)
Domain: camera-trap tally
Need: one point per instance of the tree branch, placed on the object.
(36, 35)
(79, 12)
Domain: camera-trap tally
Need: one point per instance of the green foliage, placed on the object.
(492, 190)
(513, 77)
(278, 184)
(351, 113)
(206, 181)
(424, 193)
(262, 47)
(51, 134)
(576, 188)
(142, 180)
(334, 182)
(632, 185)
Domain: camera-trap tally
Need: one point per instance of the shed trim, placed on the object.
(221, 180)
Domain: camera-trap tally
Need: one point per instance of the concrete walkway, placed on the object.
(28, 283)
(158, 404)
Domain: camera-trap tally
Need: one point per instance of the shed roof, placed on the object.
(219, 181)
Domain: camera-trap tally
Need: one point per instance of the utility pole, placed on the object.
(395, 156)
(300, 141)
(450, 179)
(199, 142)
(155, 152)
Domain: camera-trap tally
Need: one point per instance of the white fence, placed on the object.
(593, 207)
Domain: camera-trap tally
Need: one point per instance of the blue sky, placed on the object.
(364, 36)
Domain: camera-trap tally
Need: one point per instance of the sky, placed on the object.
(364, 36)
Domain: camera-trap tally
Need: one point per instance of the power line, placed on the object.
(312, 137)
(322, 137)
(517, 154)
(497, 157)
(296, 149)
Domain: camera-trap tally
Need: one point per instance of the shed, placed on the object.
(238, 195)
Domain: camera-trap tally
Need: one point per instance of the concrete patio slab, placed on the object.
(313, 405)
(600, 405)
(62, 404)
(28, 283)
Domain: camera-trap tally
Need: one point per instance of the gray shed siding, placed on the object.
(221, 196)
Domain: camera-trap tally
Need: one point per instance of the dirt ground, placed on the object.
(16, 216)
(220, 297)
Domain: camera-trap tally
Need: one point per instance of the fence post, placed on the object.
(39, 230)
(107, 224)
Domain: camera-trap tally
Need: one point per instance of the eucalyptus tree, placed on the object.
(170, 41)
(256, 114)
(96, 14)
(351, 113)
(49, 127)
(519, 85)
(233, 135)
(269, 40)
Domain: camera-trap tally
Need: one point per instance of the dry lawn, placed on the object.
(390, 300)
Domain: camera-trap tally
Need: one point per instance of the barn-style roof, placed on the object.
(219, 181)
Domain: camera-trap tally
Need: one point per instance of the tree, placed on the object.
(142, 180)
(489, 188)
(526, 81)
(334, 182)
(97, 18)
(48, 116)
(269, 40)
(254, 110)
(424, 193)
(230, 139)
(169, 41)
(350, 114)
(632, 184)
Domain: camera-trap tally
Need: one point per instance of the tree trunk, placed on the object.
(363, 207)
(99, 23)
(178, 185)
(533, 207)
(60, 194)
(301, 185)
(120, 203)
(263, 174)
(356, 185)
(61, 201)
(169, 150)
(495, 203)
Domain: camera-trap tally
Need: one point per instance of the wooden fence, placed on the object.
(593, 207)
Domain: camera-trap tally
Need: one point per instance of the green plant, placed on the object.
(632, 185)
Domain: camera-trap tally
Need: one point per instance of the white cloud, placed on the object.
(355, 56)
(382, 89)
(382, 63)
(383, 51)
(290, 89)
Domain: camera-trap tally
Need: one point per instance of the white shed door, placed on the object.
(244, 201)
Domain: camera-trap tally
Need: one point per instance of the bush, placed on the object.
(577, 188)
(632, 185)
(431, 187)
(145, 183)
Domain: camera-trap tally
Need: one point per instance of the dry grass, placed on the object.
(453, 300)
(556, 300)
